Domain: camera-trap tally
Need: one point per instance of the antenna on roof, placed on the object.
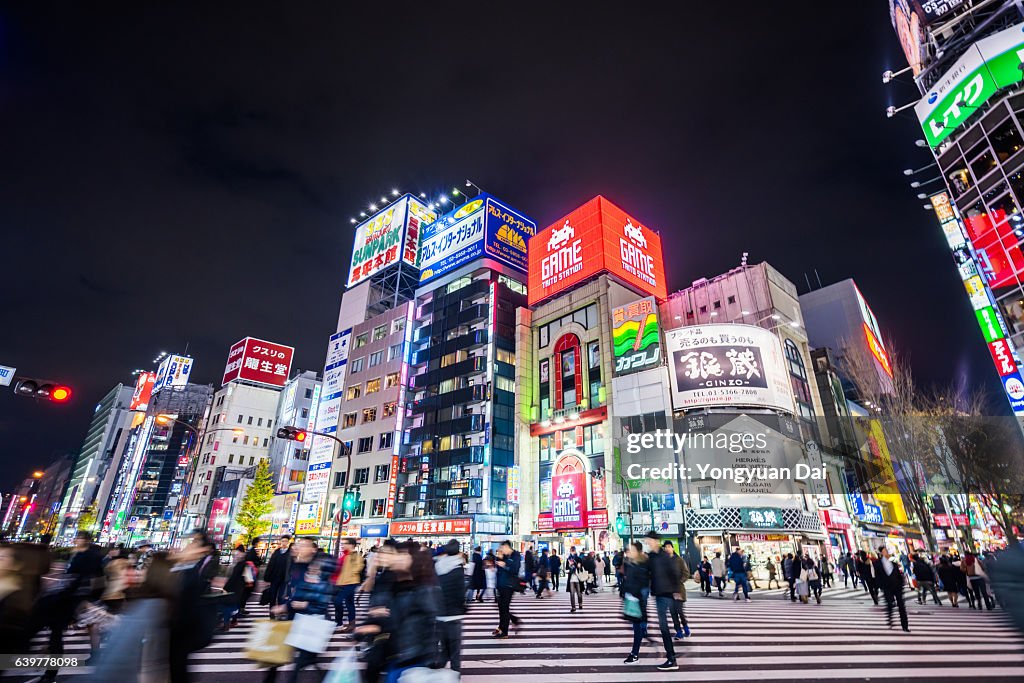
(819, 278)
(809, 288)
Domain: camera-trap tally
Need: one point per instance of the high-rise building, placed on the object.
(965, 58)
(111, 416)
(297, 407)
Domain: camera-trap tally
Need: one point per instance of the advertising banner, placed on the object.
(143, 391)
(256, 360)
(635, 336)
(481, 227)
(431, 526)
(220, 517)
(308, 519)
(389, 235)
(321, 448)
(172, 372)
(512, 485)
(987, 66)
(597, 237)
(569, 500)
(761, 518)
(727, 365)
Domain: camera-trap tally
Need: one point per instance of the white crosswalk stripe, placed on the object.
(769, 638)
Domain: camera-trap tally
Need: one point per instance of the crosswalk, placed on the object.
(769, 638)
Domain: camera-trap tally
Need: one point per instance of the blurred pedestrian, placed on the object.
(195, 617)
(451, 608)
(276, 573)
(508, 583)
(576, 577)
(348, 578)
(718, 572)
(478, 579)
(951, 578)
(636, 589)
(770, 567)
(888, 574)
(543, 571)
(706, 572)
(665, 588)
(682, 629)
(556, 569)
(308, 592)
(15, 603)
(924, 573)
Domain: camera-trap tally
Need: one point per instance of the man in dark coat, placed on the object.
(556, 568)
(452, 607)
(276, 573)
(665, 581)
(508, 583)
(478, 581)
(890, 579)
(530, 566)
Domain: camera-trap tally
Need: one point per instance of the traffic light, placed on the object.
(351, 501)
(292, 434)
(45, 389)
(620, 525)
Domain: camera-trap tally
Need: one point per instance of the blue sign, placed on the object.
(168, 514)
(865, 511)
(373, 531)
(481, 227)
(1014, 387)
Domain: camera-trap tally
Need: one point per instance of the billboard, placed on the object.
(636, 337)
(984, 68)
(597, 237)
(143, 391)
(172, 372)
(727, 365)
(259, 361)
(429, 527)
(328, 410)
(390, 235)
(220, 517)
(481, 227)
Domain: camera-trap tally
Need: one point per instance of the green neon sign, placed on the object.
(989, 324)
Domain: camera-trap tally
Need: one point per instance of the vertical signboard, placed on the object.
(173, 372)
(391, 234)
(321, 449)
(635, 336)
(220, 517)
(143, 391)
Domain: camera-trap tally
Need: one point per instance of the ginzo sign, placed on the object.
(597, 237)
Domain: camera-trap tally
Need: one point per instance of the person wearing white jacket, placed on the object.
(718, 571)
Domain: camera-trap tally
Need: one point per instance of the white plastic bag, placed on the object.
(310, 632)
(344, 669)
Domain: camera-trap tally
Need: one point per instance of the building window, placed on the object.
(375, 358)
(239, 419)
(387, 440)
(505, 356)
(349, 420)
(568, 382)
(718, 304)
(309, 393)
(390, 408)
(339, 479)
(361, 340)
(245, 441)
(357, 365)
(381, 473)
(365, 444)
(265, 442)
(394, 351)
(377, 509)
(706, 498)
(362, 475)
(373, 386)
(346, 449)
(252, 459)
(305, 412)
(353, 392)
(360, 509)
(231, 460)
(270, 423)
(380, 332)
(391, 380)
(397, 325)
(369, 415)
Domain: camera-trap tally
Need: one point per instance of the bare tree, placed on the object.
(900, 413)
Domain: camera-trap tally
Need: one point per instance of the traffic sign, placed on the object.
(346, 516)
(6, 375)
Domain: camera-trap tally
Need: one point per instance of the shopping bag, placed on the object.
(266, 642)
(631, 607)
(421, 674)
(344, 669)
(310, 632)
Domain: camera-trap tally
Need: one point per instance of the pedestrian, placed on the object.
(478, 579)
(138, 647)
(599, 565)
(770, 567)
(556, 569)
(451, 608)
(951, 578)
(277, 571)
(791, 572)
(491, 575)
(15, 601)
(530, 567)
(235, 589)
(718, 571)
(308, 592)
(705, 576)
(617, 560)
(636, 586)
(607, 568)
(810, 577)
(826, 572)
(924, 574)
(590, 564)
(543, 571)
(682, 629)
(195, 617)
(508, 562)
(977, 581)
(576, 578)
(844, 567)
(347, 578)
(865, 568)
(251, 574)
(888, 574)
(739, 566)
(665, 580)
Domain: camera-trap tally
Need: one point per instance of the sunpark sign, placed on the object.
(986, 67)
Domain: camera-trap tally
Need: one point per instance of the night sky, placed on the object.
(178, 177)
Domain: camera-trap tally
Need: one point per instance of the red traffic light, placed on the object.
(300, 436)
(36, 388)
(60, 393)
(291, 433)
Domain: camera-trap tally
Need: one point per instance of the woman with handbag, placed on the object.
(577, 578)
(636, 588)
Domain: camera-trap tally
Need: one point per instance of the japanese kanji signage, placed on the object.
(173, 372)
(430, 527)
(761, 518)
(255, 360)
(728, 365)
(482, 227)
(635, 336)
(391, 234)
(597, 237)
